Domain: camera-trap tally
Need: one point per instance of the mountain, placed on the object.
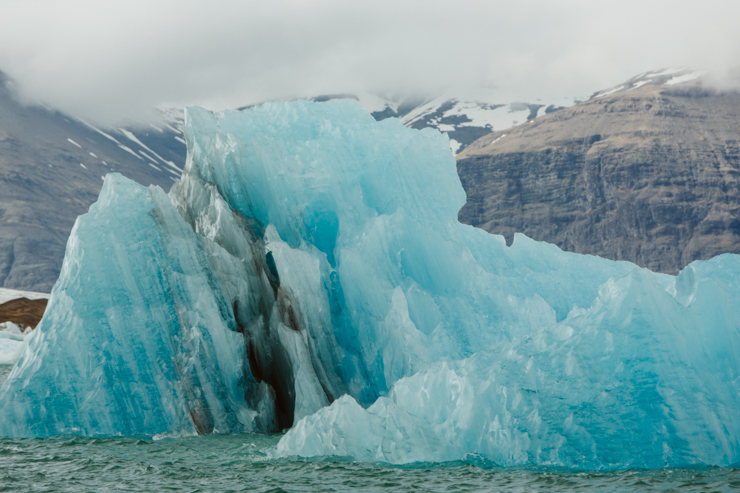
(647, 171)
(51, 170)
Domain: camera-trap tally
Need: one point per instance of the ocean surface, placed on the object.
(230, 463)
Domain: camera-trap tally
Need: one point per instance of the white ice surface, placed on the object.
(12, 343)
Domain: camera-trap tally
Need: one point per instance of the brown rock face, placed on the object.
(23, 311)
(650, 175)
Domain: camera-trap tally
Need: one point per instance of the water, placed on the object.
(230, 463)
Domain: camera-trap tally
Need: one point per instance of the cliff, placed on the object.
(648, 175)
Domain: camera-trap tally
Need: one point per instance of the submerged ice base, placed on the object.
(309, 272)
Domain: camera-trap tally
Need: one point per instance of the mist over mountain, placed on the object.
(106, 61)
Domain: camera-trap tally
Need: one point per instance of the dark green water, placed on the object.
(235, 463)
(229, 463)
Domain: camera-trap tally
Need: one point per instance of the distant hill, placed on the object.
(647, 171)
(51, 169)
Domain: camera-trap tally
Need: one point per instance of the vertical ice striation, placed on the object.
(635, 380)
(138, 338)
(308, 270)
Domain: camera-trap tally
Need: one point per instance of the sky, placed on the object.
(105, 61)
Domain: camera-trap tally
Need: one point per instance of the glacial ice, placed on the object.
(308, 272)
(12, 343)
(630, 382)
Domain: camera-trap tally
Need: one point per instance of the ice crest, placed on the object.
(308, 272)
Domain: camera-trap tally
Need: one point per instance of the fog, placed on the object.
(105, 60)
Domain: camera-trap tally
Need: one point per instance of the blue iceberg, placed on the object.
(308, 273)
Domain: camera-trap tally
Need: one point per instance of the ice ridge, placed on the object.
(308, 272)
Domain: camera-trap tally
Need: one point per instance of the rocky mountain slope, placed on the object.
(51, 169)
(648, 171)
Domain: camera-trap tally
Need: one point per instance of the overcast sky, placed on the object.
(104, 60)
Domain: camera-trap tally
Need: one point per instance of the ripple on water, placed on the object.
(218, 463)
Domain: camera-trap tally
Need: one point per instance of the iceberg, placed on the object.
(630, 382)
(308, 273)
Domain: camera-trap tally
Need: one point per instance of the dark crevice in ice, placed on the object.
(272, 273)
(268, 360)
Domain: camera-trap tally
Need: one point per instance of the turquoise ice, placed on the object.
(309, 272)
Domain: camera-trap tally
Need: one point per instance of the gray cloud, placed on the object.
(105, 60)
